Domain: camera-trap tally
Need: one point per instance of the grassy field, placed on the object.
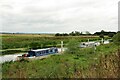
(16, 43)
(83, 63)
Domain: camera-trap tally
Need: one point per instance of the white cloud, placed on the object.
(58, 15)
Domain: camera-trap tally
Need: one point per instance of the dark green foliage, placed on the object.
(116, 39)
(111, 35)
(63, 34)
(104, 33)
(72, 46)
(24, 60)
(101, 36)
(75, 33)
(57, 34)
(76, 57)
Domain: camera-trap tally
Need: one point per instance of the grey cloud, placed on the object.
(58, 15)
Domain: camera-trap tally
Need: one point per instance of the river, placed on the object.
(13, 57)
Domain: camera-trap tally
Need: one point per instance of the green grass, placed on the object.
(24, 41)
(36, 41)
(6, 52)
(57, 66)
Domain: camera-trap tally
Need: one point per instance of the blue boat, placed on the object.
(42, 52)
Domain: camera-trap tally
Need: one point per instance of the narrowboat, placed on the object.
(41, 52)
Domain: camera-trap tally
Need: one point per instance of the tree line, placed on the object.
(73, 33)
(101, 34)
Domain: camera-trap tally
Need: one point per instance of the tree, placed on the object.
(116, 38)
(65, 34)
(72, 46)
(102, 31)
(72, 33)
(101, 36)
(57, 34)
(111, 35)
(77, 33)
(87, 33)
(81, 33)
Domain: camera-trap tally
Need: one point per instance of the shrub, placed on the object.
(116, 39)
(24, 60)
(111, 35)
(72, 46)
(101, 36)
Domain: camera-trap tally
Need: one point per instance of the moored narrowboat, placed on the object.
(41, 52)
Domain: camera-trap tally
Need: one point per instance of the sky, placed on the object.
(63, 16)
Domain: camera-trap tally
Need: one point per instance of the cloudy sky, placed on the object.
(58, 15)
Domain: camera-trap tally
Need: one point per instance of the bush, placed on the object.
(72, 46)
(24, 60)
(111, 35)
(116, 39)
(101, 36)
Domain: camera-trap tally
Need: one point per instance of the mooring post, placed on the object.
(102, 41)
(88, 40)
(61, 46)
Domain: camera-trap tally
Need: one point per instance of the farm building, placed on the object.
(41, 52)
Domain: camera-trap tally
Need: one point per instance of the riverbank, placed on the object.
(65, 65)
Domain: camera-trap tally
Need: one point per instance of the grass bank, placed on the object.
(12, 41)
(83, 64)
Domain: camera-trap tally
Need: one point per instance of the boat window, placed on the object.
(43, 52)
(31, 53)
(39, 52)
(56, 50)
(51, 50)
(47, 51)
(83, 43)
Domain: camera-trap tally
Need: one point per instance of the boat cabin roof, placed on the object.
(41, 49)
(87, 42)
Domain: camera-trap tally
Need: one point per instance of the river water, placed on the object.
(13, 57)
